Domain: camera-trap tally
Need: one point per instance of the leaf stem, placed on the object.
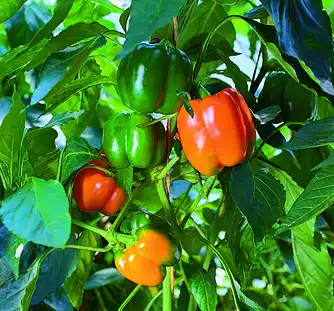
(204, 191)
(167, 291)
(88, 248)
(60, 163)
(167, 168)
(257, 151)
(131, 295)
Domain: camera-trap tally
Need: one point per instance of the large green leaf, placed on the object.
(11, 134)
(258, 195)
(314, 134)
(16, 294)
(313, 265)
(77, 153)
(103, 277)
(328, 162)
(22, 27)
(60, 12)
(146, 16)
(9, 7)
(75, 284)
(304, 32)
(202, 285)
(49, 221)
(62, 67)
(317, 196)
(46, 166)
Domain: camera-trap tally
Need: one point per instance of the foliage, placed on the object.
(259, 236)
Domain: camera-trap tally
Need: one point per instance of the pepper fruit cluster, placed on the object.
(221, 133)
(93, 190)
(143, 263)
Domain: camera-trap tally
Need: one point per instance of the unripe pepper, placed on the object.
(143, 263)
(221, 133)
(149, 77)
(93, 190)
(124, 143)
(296, 102)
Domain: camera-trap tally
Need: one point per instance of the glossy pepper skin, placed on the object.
(126, 144)
(154, 248)
(93, 190)
(222, 132)
(296, 102)
(149, 77)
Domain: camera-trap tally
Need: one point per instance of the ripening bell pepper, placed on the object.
(221, 133)
(149, 77)
(93, 191)
(143, 263)
(296, 102)
(124, 143)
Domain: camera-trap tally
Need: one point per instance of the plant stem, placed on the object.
(192, 303)
(167, 168)
(88, 248)
(60, 164)
(255, 84)
(89, 227)
(204, 191)
(131, 295)
(175, 31)
(108, 173)
(152, 301)
(256, 153)
(167, 291)
(100, 299)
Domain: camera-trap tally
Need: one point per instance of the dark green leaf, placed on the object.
(11, 247)
(261, 199)
(304, 32)
(146, 16)
(124, 178)
(103, 277)
(74, 285)
(77, 153)
(55, 268)
(49, 221)
(258, 12)
(202, 285)
(58, 300)
(314, 134)
(60, 12)
(62, 67)
(148, 199)
(16, 294)
(328, 162)
(64, 118)
(317, 196)
(123, 19)
(46, 166)
(9, 7)
(267, 114)
(11, 134)
(22, 27)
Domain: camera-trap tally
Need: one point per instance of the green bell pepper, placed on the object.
(297, 103)
(149, 77)
(124, 143)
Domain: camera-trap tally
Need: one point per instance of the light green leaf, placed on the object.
(9, 7)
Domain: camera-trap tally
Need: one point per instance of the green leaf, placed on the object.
(74, 285)
(317, 196)
(146, 16)
(64, 118)
(77, 153)
(73, 88)
(267, 114)
(313, 265)
(304, 32)
(49, 221)
(9, 7)
(124, 178)
(22, 27)
(46, 166)
(16, 294)
(11, 134)
(328, 162)
(148, 198)
(261, 199)
(107, 276)
(62, 67)
(200, 18)
(56, 267)
(257, 13)
(202, 285)
(11, 248)
(60, 12)
(123, 19)
(314, 134)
